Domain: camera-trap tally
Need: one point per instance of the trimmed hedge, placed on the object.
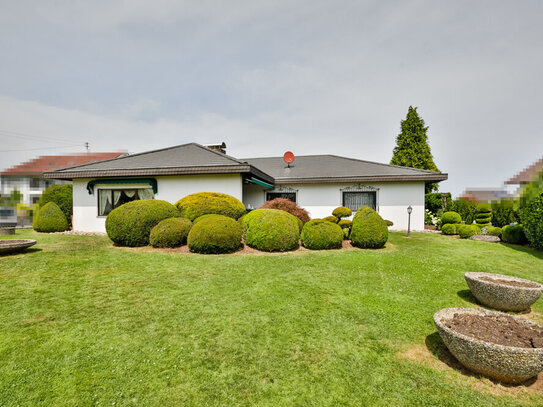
(50, 219)
(466, 209)
(214, 235)
(514, 234)
(342, 212)
(450, 217)
(288, 206)
(202, 203)
(321, 235)
(62, 196)
(532, 219)
(494, 231)
(504, 213)
(449, 229)
(369, 230)
(331, 218)
(130, 224)
(171, 232)
(271, 230)
(467, 231)
(345, 223)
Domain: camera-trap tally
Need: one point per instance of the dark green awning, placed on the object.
(149, 181)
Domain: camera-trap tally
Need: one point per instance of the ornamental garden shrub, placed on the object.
(532, 219)
(331, 218)
(450, 217)
(467, 231)
(483, 215)
(130, 224)
(202, 203)
(505, 212)
(342, 212)
(50, 218)
(369, 230)
(345, 223)
(62, 196)
(466, 209)
(214, 235)
(171, 232)
(494, 231)
(434, 201)
(288, 206)
(449, 229)
(514, 234)
(322, 235)
(271, 230)
(389, 223)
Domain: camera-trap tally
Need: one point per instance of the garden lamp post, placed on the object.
(409, 210)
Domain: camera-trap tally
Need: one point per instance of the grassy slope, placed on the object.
(83, 323)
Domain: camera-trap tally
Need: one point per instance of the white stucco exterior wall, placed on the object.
(170, 188)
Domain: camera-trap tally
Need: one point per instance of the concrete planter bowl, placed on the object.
(503, 363)
(12, 246)
(500, 295)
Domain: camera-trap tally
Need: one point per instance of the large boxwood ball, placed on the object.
(62, 196)
(171, 232)
(450, 217)
(467, 231)
(494, 231)
(214, 235)
(271, 230)
(130, 224)
(202, 203)
(449, 229)
(50, 219)
(514, 234)
(322, 235)
(369, 230)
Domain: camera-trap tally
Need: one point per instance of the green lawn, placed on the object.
(85, 323)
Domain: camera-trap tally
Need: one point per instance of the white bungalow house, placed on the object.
(318, 183)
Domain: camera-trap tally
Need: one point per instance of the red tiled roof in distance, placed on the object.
(528, 174)
(46, 163)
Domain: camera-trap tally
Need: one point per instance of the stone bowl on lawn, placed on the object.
(502, 292)
(509, 364)
(12, 246)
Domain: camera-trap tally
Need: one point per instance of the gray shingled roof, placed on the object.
(331, 168)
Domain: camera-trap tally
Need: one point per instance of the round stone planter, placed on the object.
(499, 294)
(12, 246)
(504, 363)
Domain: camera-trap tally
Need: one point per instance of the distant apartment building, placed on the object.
(28, 179)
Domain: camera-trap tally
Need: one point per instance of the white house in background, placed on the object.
(318, 183)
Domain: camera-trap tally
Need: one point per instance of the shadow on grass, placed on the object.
(24, 251)
(466, 295)
(524, 249)
(437, 347)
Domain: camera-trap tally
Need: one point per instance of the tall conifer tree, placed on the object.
(412, 149)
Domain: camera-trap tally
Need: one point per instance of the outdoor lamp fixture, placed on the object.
(409, 210)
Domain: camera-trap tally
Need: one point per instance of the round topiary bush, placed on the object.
(271, 230)
(331, 218)
(62, 196)
(214, 235)
(494, 231)
(532, 219)
(467, 231)
(202, 203)
(288, 206)
(342, 212)
(130, 224)
(50, 219)
(209, 215)
(483, 215)
(321, 235)
(514, 234)
(449, 229)
(345, 223)
(171, 232)
(369, 230)
(450, 217)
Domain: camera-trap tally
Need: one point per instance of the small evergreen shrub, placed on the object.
(369, 230)
(346, 234)
(483, 215)
(331, 218)
(202, 203)
(214, 235)
(449, 229)
(466, 209)
(532, 219)
(288, 206)
(62, 196)
(514, 234)
(171, 232)
(321, 235)
(209, 215)
(342, 212)
(450, 217)
(467, 231)
(389, 222)
(130, 224)
(50, 219)
(345, 223)
(504, 213)
(271, 230)
(494, 231)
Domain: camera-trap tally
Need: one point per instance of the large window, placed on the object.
(354, 200)
(287, 195)
(109, 199)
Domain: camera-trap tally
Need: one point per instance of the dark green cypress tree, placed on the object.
(412, 149)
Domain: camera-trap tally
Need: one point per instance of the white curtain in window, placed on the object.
(146, 193)
(104, 201)
(129, 193)
(116, 198)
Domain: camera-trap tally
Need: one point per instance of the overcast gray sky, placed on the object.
(312, 77)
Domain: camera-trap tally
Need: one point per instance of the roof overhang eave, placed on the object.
(386, 178)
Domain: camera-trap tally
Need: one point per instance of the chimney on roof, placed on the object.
(220, 147)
